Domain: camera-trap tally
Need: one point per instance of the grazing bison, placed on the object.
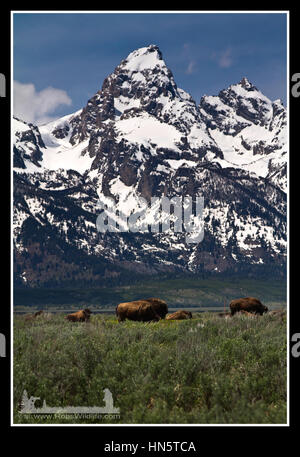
(80, 316)
(38, 313)
(178, 315)
(31, 317)
(139, 310)
(280, 313)
(249, 304)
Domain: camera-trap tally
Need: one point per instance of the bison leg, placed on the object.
(157, 317)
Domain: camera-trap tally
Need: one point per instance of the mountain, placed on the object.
(27, 144)
(140, 137)
(250, 130)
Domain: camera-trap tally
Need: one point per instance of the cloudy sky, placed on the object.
(60, 60)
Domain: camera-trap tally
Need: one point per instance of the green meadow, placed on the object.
(207, 370)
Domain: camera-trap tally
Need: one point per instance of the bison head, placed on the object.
(87, 313)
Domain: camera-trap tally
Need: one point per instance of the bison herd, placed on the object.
(146, 310)
(154, 309)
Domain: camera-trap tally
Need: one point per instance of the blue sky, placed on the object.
(73, 53)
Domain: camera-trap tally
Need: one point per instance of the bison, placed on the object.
(160, 306)
(38, 313)
(280, 313)
(249, 304)
(139, 310)
(80, 316)
(179, 315)
(31, 317)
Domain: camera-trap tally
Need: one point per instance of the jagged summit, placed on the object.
(246, 84)
(144, 59)
(278, 102)
(142, 89)
(141, 83)
(142, 75)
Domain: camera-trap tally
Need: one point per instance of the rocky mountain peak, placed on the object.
(278, 108)
(243, 100)
(278, 102)
(140, 82)
(145, 58)
(141, 96)
(246, 84)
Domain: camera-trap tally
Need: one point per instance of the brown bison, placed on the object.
(179, 315)
(249, 304)
(80, 316)
(280, 313)
(160, 306)
(38, 313)
(139, 310)
(31, 317)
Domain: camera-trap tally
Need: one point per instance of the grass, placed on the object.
(208, 370)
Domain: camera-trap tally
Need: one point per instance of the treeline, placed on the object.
(188, 291)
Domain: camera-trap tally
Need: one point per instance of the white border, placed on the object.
(288, 216)
(288, 213)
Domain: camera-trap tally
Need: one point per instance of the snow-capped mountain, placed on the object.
(27, 144)
(250, 130)
(142, 136)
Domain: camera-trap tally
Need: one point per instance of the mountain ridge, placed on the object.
(141, 136)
